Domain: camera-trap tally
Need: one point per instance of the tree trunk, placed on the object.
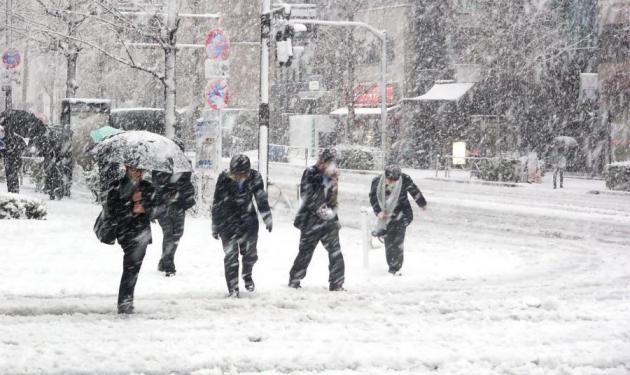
(71, 74)
(170, 78)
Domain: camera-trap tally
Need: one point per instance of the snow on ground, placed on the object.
(497, 280)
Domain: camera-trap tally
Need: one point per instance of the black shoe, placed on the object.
(126, 308)
(234, 294)
(169, 273)
(160, 267)
(294, 284)
(249, 285)
(396, 273)
(337, 288)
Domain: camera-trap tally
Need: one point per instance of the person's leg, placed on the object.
(132, 261)
(12, 165)
(230, 261)
(394, 247)
(308, 243)
(555, 178)
(561, 178)
(336, 264)
(166, 223)
(249, 252)
(179, 221)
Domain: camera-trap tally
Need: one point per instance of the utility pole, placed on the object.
(263, 111)
(382, 35)
(8, 86)
(170, 63)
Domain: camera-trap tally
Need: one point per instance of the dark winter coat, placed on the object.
(233, 208)
(314, 194)
(119, 209)
(403, 214)
(178, 194)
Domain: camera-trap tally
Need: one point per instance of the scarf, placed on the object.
(387, 203)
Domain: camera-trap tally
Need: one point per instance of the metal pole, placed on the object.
(263, 112)
(384, 134)
(8, 88)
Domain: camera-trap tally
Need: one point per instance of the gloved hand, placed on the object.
(269, 226)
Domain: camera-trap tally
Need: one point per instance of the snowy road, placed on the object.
(497, 280)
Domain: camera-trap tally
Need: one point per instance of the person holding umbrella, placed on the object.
(235, 221)
(129, 205)
(131, 200)
(388, 197)
(317, 221)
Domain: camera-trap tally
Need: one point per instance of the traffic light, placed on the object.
(284, 43)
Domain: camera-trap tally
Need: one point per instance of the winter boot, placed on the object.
(234, 294)
(295, 284)
(126, 307)
(249, 285)
(337, 288)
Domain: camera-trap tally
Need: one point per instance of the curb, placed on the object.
(610, 192)
(474, 182)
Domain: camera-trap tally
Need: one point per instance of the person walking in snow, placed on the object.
(388, 197)
(235, 220)
(129, 205)
(317, 221)
(175, 194)
(559, 166)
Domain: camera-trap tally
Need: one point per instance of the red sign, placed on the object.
(11, 58)
(217, 45)
(217, 94)
(370, 95)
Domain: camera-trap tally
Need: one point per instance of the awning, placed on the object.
(361, 111)
(445, 92)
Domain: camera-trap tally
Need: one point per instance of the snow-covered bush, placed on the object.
(14, 206)
(618, 176)
(355, 157)
(504, 170)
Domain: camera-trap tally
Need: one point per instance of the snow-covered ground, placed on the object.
(497, 280)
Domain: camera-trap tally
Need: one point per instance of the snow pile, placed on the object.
(618, 176)
(14, 206)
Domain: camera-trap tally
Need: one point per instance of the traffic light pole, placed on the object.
(263, 111)
(382, 36)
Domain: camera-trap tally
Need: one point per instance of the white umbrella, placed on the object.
(143, 150)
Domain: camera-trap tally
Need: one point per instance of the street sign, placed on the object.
(217, 94)
(11, 58)
(217, 69)
(217, 45)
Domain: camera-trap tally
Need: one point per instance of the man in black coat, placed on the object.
(175, 194)
(388, 196)
(235, 221)
(318, 221)
(129, 206)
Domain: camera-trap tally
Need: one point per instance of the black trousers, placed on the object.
(172, 224)
(243, 242)
(308, 242)
(132, 261)
(394, 246)
(12, 165)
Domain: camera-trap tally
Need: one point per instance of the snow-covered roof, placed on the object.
(87, 100)
(445, 91)
(136, 109)
(369, 111)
